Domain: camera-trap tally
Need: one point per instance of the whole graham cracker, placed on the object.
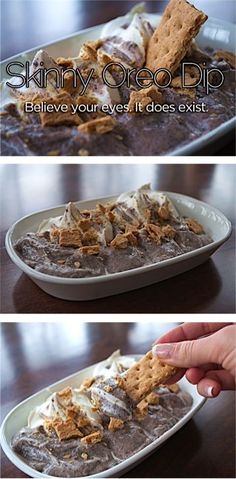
(180, 23)
(148, 373)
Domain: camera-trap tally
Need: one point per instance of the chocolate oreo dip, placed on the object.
(122, 132)
(140, 228)
(111, 428)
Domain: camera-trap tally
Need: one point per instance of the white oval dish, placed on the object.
(17, 418)
(83, 289)
(215, 33)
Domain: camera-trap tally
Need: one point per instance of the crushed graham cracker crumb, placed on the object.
(99, 125)
(92, 438)
(70, 237)
(90, 250)
(115, 424)
(64, 429)
(54, 235)
(88, 51)
(164, 212)
(174, 388)
(154, 232)
(194, 226)
(87, 383)
(65, 394)
(132, 239)
(65, 62)
(144, 97)
(120, 241)
(168, 231)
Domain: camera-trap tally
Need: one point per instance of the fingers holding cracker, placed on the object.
(147, 374)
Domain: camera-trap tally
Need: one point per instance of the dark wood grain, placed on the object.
(30, 361)
(28, 23)
(209, 288)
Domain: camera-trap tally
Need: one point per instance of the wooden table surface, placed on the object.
(41, 21)
(202, 448)
(209, 288)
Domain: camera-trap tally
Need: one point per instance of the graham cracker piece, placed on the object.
(168, 231)
(72, 238)
(152, 399)
(141, 410)
(227, 56)
(148, 373)
(88, 51)
(191, 77)
(72, 412)
(144, 97)
(65, 395)
(65, 62)
(190, 92)
(120, 242)
(90, 236)
(164, 212)
(142, 407)
(54, 235)
(58, 118)
(99, 125)
(64, 429)
(67, 429)
(92, 438)
(82, 421)
(180, 23)
(154, 231)
(148, 215)
(105, 208)
(131, 229)
(101, 208)
(194, 226)
(90, 250)
(120, 382)
(87, 383)
(173, 388)
(110, 216)
(85, 224)
(115, 424)
(132, 239)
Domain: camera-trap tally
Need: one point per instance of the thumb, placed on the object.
(187, 354)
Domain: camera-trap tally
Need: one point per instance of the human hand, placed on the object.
(206, 352)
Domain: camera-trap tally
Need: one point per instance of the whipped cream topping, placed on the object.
(143, 198)
(55, 405)
(113, 366)
(69, 219)
(96, 89)
(41, 60)
(127, 43)
(136, 202)
(125, 40)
